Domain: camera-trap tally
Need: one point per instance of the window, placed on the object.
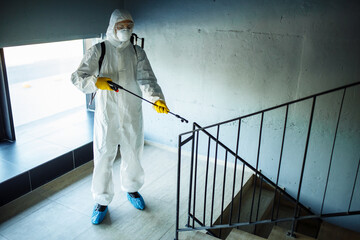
(39, 79)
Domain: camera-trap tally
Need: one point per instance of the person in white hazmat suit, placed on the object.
(118, 123)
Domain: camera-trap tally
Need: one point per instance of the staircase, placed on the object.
(306, 229)
(278, 233)
(273, 174)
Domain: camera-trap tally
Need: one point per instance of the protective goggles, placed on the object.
(121, 26)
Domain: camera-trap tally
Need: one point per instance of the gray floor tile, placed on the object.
(62, 138)
(79, 199)
(52, 221)
(32, 154)
(20, 208)
(163, 187)
(104, 232)
(8, 170)
(151, 223)
(170, 233)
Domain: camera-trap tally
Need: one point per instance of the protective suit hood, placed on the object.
(117, 16)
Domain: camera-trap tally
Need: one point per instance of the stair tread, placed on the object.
(330, 231)
(236, 234)
(279, 233)
(308, 227)
(246, 200)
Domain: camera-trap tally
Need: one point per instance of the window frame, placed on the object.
(7, 128)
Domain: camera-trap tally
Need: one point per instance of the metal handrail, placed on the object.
(278, 192)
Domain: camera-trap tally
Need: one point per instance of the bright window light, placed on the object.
(39, 79)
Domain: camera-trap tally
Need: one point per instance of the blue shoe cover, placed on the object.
(97, 216)
(137, 202)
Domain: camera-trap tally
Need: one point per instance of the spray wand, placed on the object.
(116, 88)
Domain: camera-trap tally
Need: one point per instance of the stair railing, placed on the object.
(214, 173)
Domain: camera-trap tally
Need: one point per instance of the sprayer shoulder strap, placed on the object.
(136, 53)
(101, 59)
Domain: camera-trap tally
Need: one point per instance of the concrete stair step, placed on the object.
(246, 200)
(330, 231)
(279, 233)
(196, 235)
(236, 234)
(307, 227)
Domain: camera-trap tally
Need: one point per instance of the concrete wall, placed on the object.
(217, 60)
(26, 22)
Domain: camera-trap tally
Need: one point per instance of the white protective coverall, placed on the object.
(118, 115)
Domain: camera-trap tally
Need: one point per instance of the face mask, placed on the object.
(123, 35)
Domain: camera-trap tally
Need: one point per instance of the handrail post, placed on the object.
(332, 151)
(191, 175)
(223, 191)
(215, 165)
(235, 167)
(303, 168)
(206, 178)
(257, 165)
(195, 176)
(352, 193)
(280, 160)
(178, 189)
(241, 192)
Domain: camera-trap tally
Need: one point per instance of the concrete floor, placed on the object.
(62, 208)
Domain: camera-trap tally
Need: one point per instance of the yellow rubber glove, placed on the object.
(161, 107)
(102, 84)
